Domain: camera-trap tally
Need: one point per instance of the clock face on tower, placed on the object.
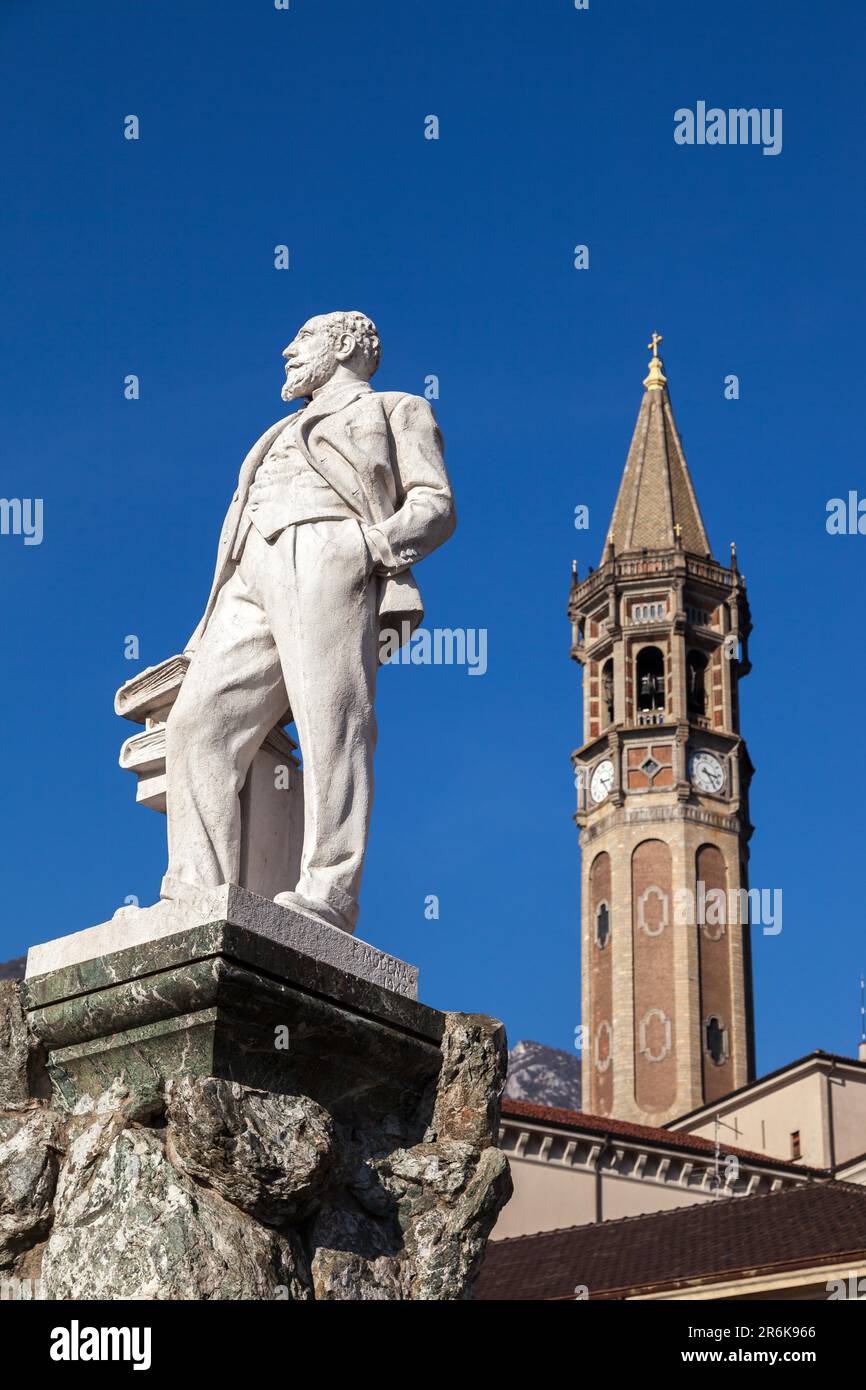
(601, 780)
(706, 772)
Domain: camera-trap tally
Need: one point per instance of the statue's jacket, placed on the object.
(381, 452)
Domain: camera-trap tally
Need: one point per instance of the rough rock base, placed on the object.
(199, 1186)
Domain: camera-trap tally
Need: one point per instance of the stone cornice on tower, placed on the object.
(656, 507)
(631, 569)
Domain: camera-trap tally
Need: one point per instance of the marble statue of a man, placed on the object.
(334, 505)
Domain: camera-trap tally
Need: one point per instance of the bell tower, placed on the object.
(661, 631)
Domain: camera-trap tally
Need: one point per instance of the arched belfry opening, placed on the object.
(650, 686)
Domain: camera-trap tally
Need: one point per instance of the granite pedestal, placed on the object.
(261, 996)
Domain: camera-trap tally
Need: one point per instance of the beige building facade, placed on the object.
(812, 1111)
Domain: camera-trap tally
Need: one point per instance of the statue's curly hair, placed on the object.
(363, 330)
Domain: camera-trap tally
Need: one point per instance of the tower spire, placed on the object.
(656, 507)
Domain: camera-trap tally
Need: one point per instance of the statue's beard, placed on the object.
(307, 377)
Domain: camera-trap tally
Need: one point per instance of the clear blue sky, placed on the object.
(305, 127)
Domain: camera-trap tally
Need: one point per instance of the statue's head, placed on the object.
(325, 345)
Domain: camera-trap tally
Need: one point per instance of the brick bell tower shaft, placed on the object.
(661, 631)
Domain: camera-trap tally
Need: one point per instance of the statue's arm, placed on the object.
(425, 515)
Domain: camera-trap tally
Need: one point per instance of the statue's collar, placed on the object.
(330, 397)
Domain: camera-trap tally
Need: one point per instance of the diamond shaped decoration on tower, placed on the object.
(650, 767)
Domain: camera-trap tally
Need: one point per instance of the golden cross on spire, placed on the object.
(656, 381)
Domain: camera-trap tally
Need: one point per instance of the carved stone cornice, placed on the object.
(655, 564)
(651, 1162)
(734, 824)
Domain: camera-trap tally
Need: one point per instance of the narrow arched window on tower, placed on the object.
(650, 686)
(714, 1039)
(696, 685)
(607, 689)
(602, 925)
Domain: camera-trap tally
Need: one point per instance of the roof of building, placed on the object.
(818, 1055)
(656, 494)
(795, 1228)
(604, 1125)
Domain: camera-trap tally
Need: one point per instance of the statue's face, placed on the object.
(311, 360)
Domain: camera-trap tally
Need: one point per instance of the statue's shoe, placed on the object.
(314, 907)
